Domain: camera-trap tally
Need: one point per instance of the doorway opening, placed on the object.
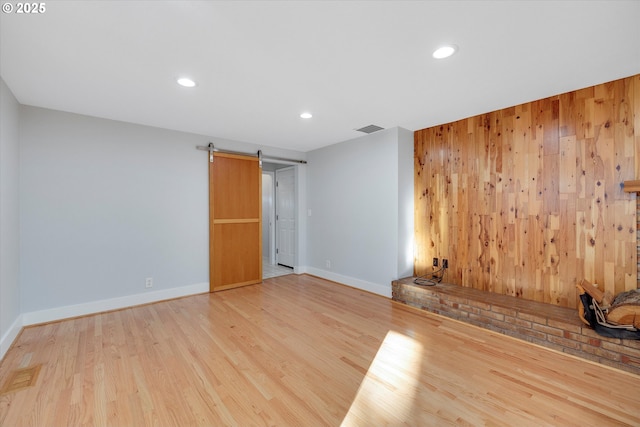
(279, 207)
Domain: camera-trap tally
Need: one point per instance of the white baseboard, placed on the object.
(65, 312)
(376, 288)
(58, 313)
(9, 337)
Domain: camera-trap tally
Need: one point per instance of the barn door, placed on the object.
(235, 221)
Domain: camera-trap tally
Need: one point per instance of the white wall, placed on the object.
(10, 322)
(405, 203)
(105, 204)
(357, 193)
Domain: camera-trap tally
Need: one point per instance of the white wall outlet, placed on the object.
(328, 263)
(148, 282)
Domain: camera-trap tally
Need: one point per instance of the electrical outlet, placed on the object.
(328, 263)
(435, 262)
(445, 263)
(148, 282)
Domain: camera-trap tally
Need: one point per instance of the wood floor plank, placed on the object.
(300, 351)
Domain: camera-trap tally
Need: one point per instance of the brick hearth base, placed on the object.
(554, 327)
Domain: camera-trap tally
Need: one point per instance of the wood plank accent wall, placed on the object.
(638, 233)
(528, 200)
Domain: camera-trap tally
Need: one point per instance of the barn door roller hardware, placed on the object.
(210, 148)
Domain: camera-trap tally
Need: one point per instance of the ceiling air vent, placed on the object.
(370, 129)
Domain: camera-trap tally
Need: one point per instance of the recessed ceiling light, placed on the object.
(183, 81)
(306, 115)
(444, 51)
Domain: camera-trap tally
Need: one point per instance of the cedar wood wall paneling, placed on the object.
(528, 200)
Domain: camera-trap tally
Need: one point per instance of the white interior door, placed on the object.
(285, 217)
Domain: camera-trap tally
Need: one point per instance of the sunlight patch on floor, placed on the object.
(390, 385)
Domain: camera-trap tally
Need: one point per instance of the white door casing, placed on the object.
(268, 217)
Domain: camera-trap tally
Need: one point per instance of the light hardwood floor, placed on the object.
(300, 351)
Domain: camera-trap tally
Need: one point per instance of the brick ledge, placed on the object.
(551, 326)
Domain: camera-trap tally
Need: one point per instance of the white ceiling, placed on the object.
(259, 64)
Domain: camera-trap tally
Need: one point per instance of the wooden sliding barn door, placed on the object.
(235, 221)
